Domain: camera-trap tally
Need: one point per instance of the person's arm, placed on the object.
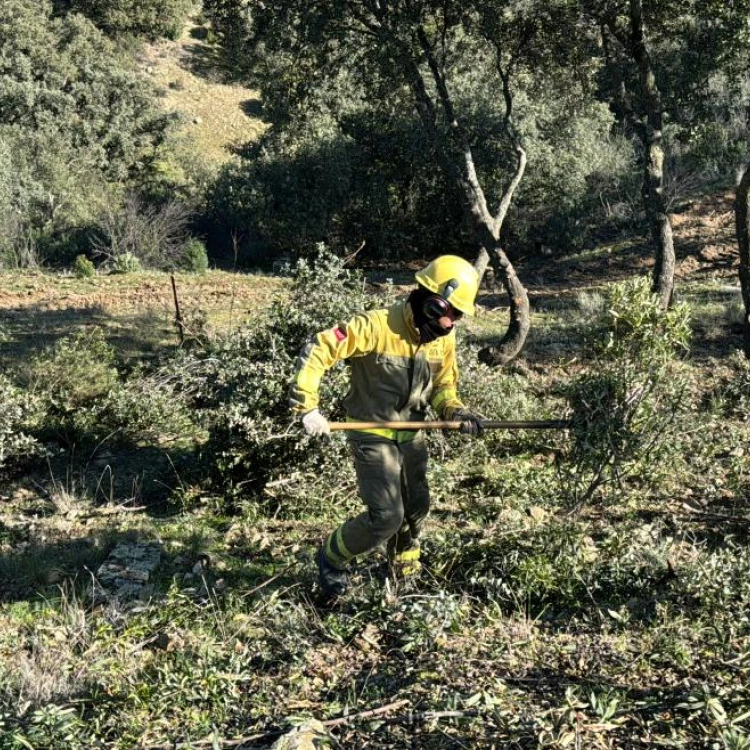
(445, 400)
(445, 385)
(356, 337)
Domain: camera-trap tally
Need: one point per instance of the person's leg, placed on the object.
(378, 466)
(403, 547)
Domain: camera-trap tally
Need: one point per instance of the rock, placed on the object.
(162, 641)
(311, 735)
(125, 574)
(197, 120)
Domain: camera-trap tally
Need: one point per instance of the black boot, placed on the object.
(333, 581)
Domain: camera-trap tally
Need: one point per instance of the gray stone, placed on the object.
(125, 574)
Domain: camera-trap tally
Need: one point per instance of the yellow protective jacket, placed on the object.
(393, 376)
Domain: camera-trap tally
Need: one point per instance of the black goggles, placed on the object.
(437, 306)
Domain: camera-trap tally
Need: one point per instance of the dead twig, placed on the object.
(365, 715)
(269, 581)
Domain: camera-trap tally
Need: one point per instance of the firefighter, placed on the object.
(402, 360)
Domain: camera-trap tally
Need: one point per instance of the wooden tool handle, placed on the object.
(489, 424)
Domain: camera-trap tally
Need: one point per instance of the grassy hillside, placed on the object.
(217, 117)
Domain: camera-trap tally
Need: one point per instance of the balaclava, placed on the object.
(429, 330)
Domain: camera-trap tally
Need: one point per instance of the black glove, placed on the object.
(471, 424)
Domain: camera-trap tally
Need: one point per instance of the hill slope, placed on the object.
(217, 116)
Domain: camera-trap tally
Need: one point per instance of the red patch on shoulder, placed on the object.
(339, 334)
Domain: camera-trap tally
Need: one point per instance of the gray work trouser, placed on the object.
(392, 480)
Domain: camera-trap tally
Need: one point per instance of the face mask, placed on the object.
(430, 331)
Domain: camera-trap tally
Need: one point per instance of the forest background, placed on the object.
(188, 192)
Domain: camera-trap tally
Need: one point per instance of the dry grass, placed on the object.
(136, 310)
(217, 117)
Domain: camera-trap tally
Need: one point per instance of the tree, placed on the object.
(149, 18)
(639, 100)
(417, 48)
(742, 222)
(661, 59)
(76, 122)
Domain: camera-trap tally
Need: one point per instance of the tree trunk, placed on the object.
(520, 313)
(457, 161)
(742, 216)
(650, 133)
(487, 231)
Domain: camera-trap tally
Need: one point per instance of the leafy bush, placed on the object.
(230, 25)
(625, 407)
(147, 408)
(68, 97)
(375, 184)
(18, 411)
(77, 372)
(246, 380)
(195, 257)
(150, 18)
(126, 263)
(84, 268)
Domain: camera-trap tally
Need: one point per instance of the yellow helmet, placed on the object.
(454, 279)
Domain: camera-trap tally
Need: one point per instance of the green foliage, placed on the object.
(732, 394)
(77, 123)
(579, 176)
(231, 24)
(625, 407)
(83, 268)
(18, 413)
(252, 439)
(126, 262)
(372, 181)
(194, 256)
(417, 624)
(70, 378)
(149, 18)
(349, 161)
(720, 586)
(148, 408)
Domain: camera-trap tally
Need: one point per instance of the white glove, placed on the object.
(315, 423)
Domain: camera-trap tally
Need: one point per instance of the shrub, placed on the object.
(18, 412)
(126, 263)
(150, 18)
(84, 268)
(155, 235)
(195, 257)
(77, 372)
(148, 408)
(625, 406)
